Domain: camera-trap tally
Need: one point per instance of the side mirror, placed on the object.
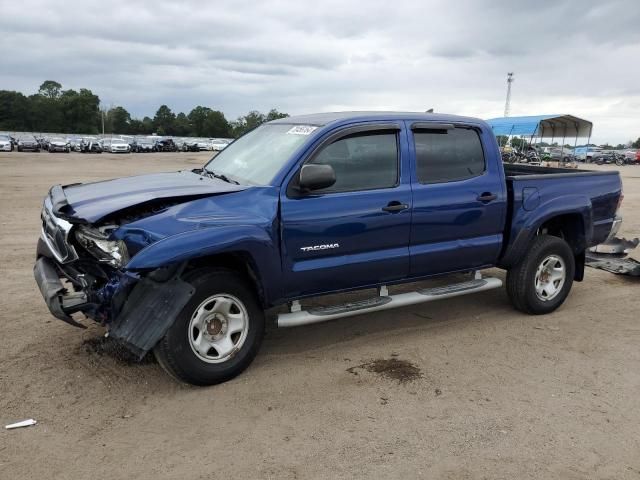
(316, 177)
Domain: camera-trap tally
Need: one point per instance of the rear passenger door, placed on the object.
(356, 232)
(459, 202)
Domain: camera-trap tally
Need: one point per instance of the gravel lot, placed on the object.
(494, 393)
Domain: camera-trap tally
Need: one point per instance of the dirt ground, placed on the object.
(455, 389)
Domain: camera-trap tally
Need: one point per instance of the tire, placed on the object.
(522, 278)
(176, 351)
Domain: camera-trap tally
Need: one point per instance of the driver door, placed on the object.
(355, 232)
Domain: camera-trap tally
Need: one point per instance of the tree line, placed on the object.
(53, 109)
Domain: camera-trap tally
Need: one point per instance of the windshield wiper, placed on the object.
(221, 176)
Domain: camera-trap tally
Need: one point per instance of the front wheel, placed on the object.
(541, 281)
(217, 334)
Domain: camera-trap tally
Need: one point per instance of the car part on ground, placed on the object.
(612, 256)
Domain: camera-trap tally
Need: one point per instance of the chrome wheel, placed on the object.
(550, 277)
(218, 328)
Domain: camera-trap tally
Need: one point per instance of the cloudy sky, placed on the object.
(580, 57)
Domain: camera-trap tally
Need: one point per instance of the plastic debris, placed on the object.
(23, 423)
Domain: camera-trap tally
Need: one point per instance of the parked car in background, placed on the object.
(6, 145)
(218, 144)
(28, 143)
(58, 144)
(166, 145)
(74, 143)
(143, 145)
(190, 145)
(90, 145)
(204, 145)
(116, 145)
(556, 154)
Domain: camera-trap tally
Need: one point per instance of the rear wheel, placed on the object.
(541, 281)
(217, 334)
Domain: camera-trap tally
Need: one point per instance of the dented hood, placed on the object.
(90, 202)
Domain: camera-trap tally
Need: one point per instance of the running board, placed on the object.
(299, 317)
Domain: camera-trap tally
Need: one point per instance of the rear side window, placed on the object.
(448, 155)
(364, 161)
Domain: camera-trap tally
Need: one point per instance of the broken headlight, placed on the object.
(97, 243)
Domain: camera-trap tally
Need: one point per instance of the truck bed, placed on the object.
(519, 170)
(536, 193)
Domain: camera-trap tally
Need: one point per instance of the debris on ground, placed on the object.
(612, 257)
(393, 369)
(111, 348)
(616, 246)
(23, 423)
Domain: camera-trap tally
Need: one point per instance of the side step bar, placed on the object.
(298, 317)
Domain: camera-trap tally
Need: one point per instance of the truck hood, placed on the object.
(91, 202)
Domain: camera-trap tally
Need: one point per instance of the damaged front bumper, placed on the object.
(136, 310)
(60, 301)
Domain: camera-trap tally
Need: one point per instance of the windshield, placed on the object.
(4, 137)
(256, 157)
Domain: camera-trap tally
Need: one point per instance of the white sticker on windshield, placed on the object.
(301, 130)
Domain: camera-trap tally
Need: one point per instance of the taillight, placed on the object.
(620, 201)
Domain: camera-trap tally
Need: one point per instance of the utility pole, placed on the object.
(507, 104)
(102, 112)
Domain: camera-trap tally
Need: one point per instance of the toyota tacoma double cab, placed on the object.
(186, 263)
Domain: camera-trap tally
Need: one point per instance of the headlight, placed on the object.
(112, 252)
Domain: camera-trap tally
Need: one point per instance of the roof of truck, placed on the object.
(321, 119)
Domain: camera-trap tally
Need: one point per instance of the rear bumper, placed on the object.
(615, 227)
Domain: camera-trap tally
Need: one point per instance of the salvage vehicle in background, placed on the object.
(186, 263)
(115, 145)
(143, 145)
(6, 143)
(218, 144)
(58, 144)
(166, 145)
(28, 143)
(89, 145)
(189, 145)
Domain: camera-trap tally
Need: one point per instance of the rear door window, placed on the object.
(448, 155)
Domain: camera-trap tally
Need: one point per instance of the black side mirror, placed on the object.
(316, 177)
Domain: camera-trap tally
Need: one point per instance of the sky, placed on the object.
(573, 57)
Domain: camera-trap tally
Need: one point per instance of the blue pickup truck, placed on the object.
(185, 264)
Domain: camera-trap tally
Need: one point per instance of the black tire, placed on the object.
(174, 352)
(521, 277)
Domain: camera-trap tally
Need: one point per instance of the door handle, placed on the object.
(487, 197)
(395, 206)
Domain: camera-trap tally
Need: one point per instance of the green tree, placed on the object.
(119, 120)
(182, 125)
(136, 127)
(636, 144)
(216, 125)
(519, 143)
(275, 114)
(147, 125)
(80, 111)
(164, 121)
(248, 122)
(50, 89)
(197, 118)
(14, 111)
